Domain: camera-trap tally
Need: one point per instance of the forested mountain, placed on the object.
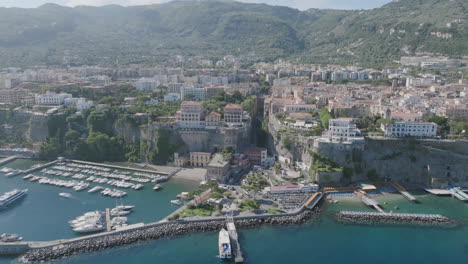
(109, 35)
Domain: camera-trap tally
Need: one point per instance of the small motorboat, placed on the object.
(176, 202)
(65, 195)
(157, 187)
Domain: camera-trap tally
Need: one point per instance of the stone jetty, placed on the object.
(393, 218)
(156, 231)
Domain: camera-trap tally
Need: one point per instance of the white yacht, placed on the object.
(6, 170)
(13, 173)
(157, 187)
(96, 189)
(91, 228)
(117, 212)
(124, 207)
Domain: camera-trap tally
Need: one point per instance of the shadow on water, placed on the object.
(12, 206)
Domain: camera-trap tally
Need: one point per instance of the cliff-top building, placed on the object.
(190, 114)
(233, 114)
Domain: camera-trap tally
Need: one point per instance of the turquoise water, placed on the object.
(323, 240)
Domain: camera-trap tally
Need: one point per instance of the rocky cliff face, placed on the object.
(411, 161)
(408, 161)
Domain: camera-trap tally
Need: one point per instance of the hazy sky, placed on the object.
(301, 4)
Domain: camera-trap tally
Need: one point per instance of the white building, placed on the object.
(82, 104)
(194, 94)
(146, 84)
(51, 98)
(342, 130)
(172, 97)
(403, 129)
(299, 108)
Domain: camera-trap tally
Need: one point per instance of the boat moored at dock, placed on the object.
(225, 251)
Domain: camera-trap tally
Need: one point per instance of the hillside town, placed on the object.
(229, 120)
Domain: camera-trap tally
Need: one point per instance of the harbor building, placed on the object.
(199, 159)
(292, 188)
(402, 129)
(218, 168)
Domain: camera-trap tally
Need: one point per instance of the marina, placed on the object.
(130, 231)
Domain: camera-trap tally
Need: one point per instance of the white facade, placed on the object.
(172, 97)
(299, 108)
(199, 94)
(82, 104)
(342, 130)
(50, 98)
(146, 84)
(402, 129)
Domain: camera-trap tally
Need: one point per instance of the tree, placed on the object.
(443, 126)
(50, 149)
(287, 142)
(325, 116)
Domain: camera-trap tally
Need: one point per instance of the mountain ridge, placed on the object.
(110, 35)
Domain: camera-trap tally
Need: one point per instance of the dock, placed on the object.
(372, 203)
(7, 160)
(108, 220)
(118, 167)
(404, 192)
(458, 193)
(313, 200)
(36, 168)
(439, 192)
(231, 228)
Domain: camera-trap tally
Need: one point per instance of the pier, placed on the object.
(372, 203)
(231, 228)
(108, 220)
(458, 193)
(439, 192)
(118, 167)
(313, 200)
(36, 168)
(403, 191)
(7, 160)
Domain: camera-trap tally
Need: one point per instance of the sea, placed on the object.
(43, 215)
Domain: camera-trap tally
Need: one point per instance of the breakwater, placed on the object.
(393, 218)
(153, 232)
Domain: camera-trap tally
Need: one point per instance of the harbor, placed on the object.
(139, 229)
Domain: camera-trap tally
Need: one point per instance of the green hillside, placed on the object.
(110, 35)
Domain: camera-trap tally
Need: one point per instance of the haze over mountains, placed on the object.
(108, 35)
